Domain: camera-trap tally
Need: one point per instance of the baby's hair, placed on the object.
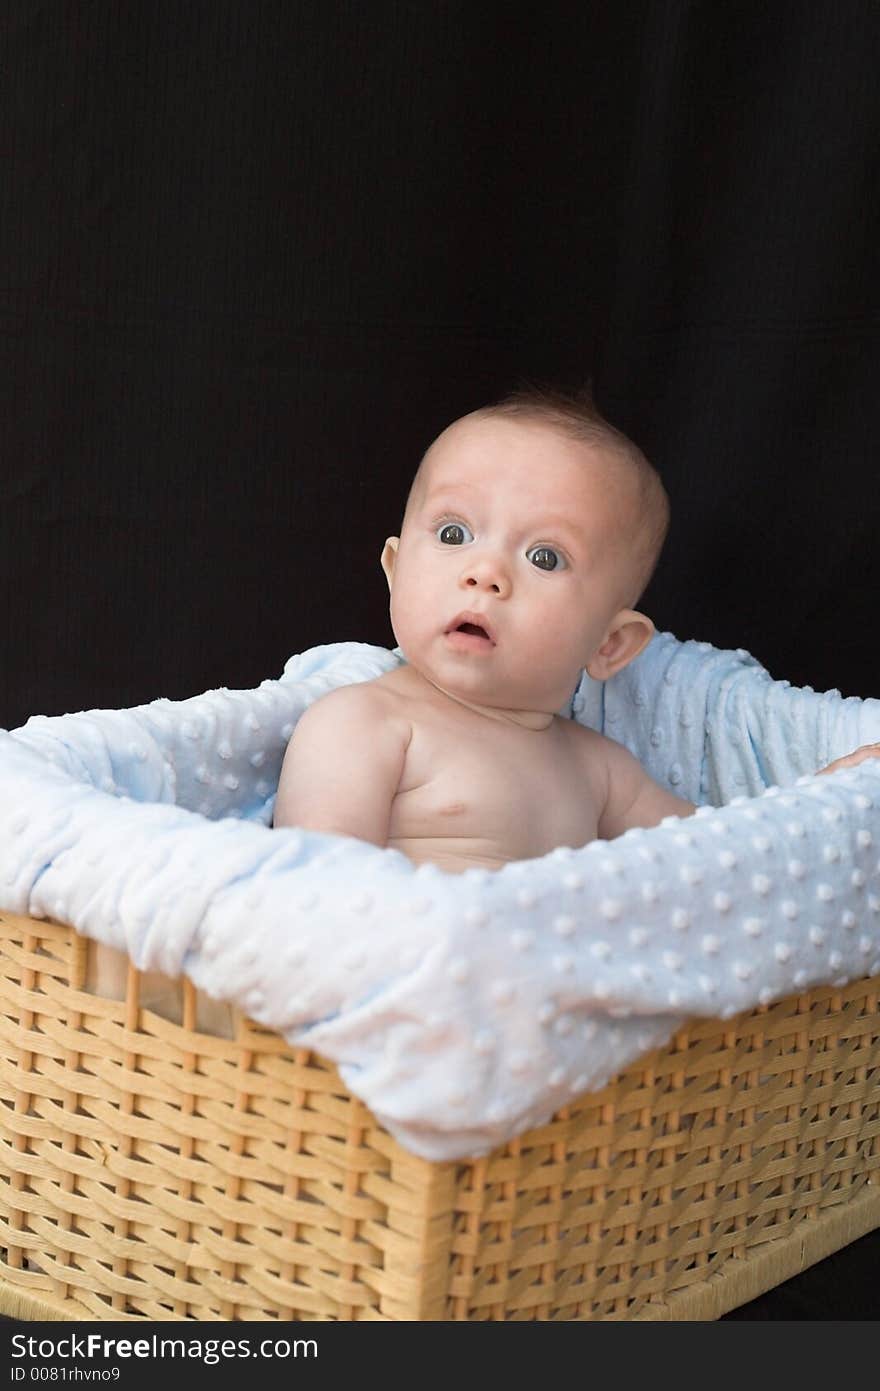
(577, 416)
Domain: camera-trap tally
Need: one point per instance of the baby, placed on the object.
(531, 529)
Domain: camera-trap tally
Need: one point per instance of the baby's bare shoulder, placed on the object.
(366, 704)
(598, 755)
(343, 764)
(586, 742)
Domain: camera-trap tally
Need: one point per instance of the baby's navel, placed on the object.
(453, 809)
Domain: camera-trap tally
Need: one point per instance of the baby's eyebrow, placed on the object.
(549, 526)
(446, 491)
(558, 526)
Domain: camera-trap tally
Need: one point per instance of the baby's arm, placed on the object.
(343, 765)
(852, 760)
(633, 798)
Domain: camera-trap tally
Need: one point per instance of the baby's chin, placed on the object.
(480, 677)
(479, 688)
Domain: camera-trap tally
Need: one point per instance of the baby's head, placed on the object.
(531, 529)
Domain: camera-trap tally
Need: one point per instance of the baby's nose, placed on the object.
(487, 573)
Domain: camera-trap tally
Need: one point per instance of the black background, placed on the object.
(253, 256)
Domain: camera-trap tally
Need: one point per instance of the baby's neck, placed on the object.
(525, 719)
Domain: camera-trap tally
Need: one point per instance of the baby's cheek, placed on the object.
(558, 629)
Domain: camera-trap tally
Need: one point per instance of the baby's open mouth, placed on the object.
(470, 632)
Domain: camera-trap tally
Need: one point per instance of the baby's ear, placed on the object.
(628, 633)
(388, 557)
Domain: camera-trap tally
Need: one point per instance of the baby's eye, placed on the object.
(454, 534)
(545, 558)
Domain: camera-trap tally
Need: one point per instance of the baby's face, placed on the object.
(512, 563)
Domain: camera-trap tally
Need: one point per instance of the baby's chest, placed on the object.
(513, 787)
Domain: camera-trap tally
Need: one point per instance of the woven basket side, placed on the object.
(731, 1140)
(147, 1170)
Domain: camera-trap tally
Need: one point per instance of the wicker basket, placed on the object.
(149, 1171)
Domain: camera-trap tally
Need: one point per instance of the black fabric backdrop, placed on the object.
(253, 256)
